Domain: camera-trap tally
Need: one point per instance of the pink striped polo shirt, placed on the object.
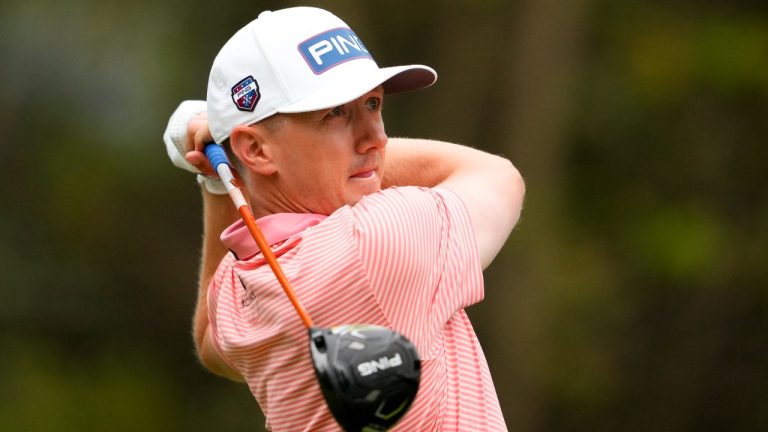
(405, 258)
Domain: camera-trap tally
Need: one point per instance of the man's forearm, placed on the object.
(218, 213)
(420, 162)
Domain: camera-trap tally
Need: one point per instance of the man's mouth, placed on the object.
(365, 174)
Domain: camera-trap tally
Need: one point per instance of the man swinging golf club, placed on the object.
(389, 233)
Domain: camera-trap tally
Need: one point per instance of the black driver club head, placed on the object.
(369, 375)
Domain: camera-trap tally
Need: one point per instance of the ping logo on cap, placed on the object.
(245, 94)
(331, 48)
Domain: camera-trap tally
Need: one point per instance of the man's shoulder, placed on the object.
(401, 210)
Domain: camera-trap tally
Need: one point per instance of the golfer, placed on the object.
(369, 229)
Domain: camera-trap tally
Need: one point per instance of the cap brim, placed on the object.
(396, 79)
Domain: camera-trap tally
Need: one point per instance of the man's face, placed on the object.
(330, 158)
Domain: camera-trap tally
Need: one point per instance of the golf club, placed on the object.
(369, 375)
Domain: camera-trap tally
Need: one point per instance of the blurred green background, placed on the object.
(633, 295)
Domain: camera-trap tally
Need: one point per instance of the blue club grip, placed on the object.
(216, 155)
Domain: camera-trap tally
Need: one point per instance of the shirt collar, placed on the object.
(276, 228)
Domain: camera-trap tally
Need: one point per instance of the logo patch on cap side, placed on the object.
(245, 94)
(332, 48)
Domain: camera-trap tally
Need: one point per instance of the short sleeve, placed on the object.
(418, 250)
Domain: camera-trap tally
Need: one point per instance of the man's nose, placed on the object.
(370, 133)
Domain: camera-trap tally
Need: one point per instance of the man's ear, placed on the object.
(250, 145)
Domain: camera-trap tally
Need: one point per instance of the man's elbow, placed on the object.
(210, 359)
(513, 190)
(202, 347)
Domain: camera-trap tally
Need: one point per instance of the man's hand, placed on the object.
(186, 134)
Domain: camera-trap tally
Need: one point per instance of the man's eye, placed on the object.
(373, 103)
(337, 111)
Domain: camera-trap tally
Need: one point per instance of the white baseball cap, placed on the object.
(296, 60)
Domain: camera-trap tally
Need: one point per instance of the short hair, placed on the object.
(273, 122)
